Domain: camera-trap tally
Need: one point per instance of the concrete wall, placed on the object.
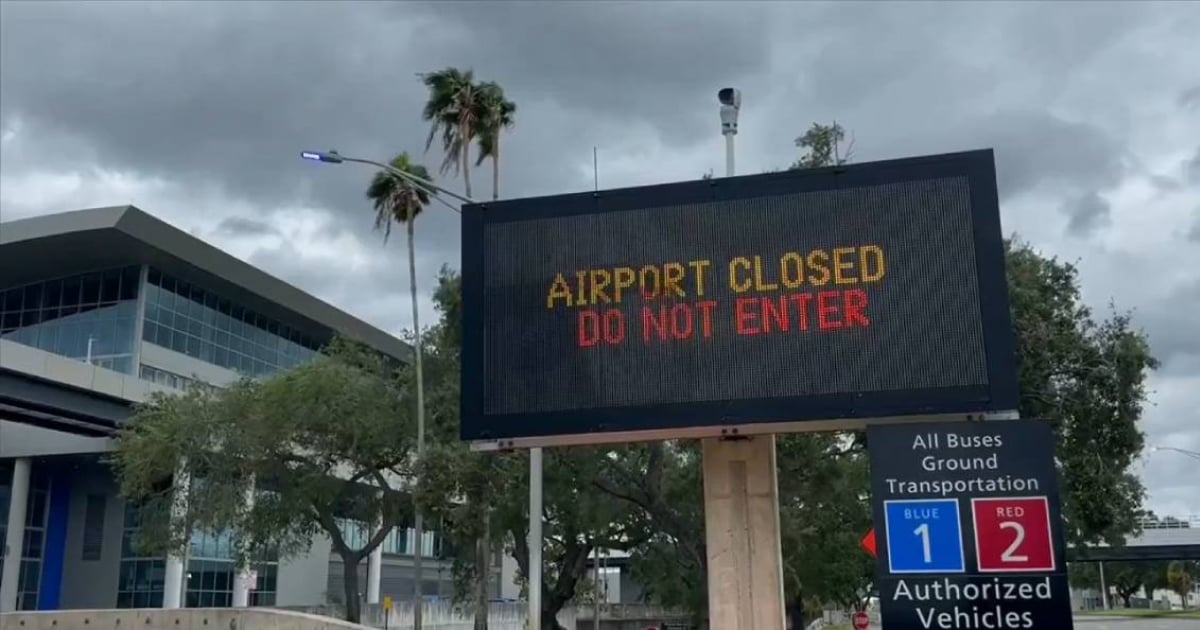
(53, 367)
(92, 583)
(23, 440)
(183, 365)
(302, 580)
(187, 619)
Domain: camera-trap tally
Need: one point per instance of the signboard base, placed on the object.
(741, 518)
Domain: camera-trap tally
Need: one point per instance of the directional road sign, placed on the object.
(969, 525)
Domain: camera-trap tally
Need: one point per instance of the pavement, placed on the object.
(1095, 622)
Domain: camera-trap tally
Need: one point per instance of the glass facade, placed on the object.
(211, 569)
(201, 324)
(140, 584)
(33, 544)
(89, 315)
(399, 541)
(170, 379)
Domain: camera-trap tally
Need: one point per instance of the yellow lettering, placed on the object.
(559, 289)
(817, 260)
(650, 289)
(761, 285)
(738, 287)
(599, 279)
(700, 267)
(625, 277)
(791, 270)
(673, 274)
(580, 296)
(871, 252)
(839, 266)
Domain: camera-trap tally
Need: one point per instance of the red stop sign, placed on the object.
(861, 621)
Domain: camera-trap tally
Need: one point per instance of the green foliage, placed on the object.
(328, 439)
(823, 145)
(454, 108)
(1181, 578)
(1088, 380)
(397, 200)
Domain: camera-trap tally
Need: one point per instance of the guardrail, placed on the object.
(174, 619)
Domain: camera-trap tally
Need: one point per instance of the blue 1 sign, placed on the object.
(924, 536)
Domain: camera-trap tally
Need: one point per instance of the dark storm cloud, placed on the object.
(227, 93)
(242, 226)
(617, 60)
(1171, 326)
(1190, 98)
(1086, 214)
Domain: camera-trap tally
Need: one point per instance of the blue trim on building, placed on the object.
(55, 550)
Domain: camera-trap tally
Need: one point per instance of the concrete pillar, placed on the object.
(15, 538)
(173, 581)
(741, 516)
(242, 579)
(374, 571)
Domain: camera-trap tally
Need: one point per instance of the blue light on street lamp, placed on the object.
(322, 156)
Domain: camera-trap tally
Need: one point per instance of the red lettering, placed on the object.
(681, 321)
(659, 323)
(706, 309)
(589, 328)
(614, 327)
(826, 308)
(778, 312)
(745, 316)
(801, 301)
(856, 301)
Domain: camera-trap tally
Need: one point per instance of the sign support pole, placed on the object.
(741, 519)
(741, 514)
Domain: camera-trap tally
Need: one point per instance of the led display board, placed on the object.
(839, 294)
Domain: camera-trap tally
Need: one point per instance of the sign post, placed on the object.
(862, 621)
(970, 528)
(733, 309)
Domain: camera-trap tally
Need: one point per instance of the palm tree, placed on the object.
(400, 201)
(496, 115)
(454, 109)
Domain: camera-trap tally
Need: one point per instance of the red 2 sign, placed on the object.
(1013, 534)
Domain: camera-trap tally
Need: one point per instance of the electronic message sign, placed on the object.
(969, 527)
(840, 294)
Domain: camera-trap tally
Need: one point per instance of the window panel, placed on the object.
(33, 296)
(12, 300)
(70, 290)
(130, 278)
(90, 293)
(52, 294)
(110, 286)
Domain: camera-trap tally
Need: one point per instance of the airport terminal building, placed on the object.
(99, 308)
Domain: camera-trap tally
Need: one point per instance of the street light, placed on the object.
(333, 157)
(1183, 451)
(435, 191)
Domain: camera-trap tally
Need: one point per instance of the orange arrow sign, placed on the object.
(868, 542)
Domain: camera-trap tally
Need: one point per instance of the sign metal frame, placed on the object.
(851, 410)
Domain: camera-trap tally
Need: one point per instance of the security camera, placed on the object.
(730, 96)
(731, 102)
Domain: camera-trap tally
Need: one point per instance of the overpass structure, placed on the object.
(1173, 539)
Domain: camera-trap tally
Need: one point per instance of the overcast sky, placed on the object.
(197, 112)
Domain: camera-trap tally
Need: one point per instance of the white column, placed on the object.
(242, 582)
(374, 569)
(535, 540)
(173, 582)
(18, 499)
